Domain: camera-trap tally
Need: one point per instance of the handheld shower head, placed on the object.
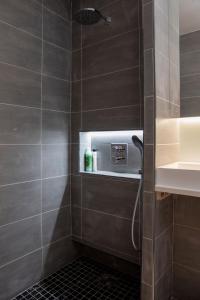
(138, 143)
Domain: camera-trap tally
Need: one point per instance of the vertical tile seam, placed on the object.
(81, 116)
(42, 57)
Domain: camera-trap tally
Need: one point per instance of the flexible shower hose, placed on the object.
(134, 215)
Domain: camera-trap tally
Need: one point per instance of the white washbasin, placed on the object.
(179, 178)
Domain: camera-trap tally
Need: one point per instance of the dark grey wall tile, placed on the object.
(163, 289)
(124, 15)
(190, 42)
(59, 254)
(26, 15)
(19, 239)
(115, 232)
(19, 163)
(147, 261)
(19, 48)
(61, 7)
(163, 253)
(187, 211)
(109, 57)
(57, 30)
(162, 76)
(56, 126)
(18, 86)
(56, 62)
(186, 283)
(19, 201)
(75, 159)
(190, 107)
(55, 160)
(95, 3)
(16, 277)
(190, 63)
(149, 126)
(76, 63)
(148, 214)
(164, 214)
(149, 168)
(190, 86)
(75, 127)
(19, 125)
(148, 73)
(55, 94)
(119, 89)
(76, 190)
(76, 221)
(125, 118)
(55, 193)
(147, 292)
(187, 246)
(76, 35)
(148, 33)
(76, 96)
(56, 225)
(98, 195)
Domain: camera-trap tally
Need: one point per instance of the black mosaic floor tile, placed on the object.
(87, 280)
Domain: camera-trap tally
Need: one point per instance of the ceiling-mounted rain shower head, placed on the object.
(90, 16)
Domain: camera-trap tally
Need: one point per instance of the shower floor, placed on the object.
(85, 279)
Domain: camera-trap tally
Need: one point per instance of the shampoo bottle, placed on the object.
(88, 160)
(94, 151)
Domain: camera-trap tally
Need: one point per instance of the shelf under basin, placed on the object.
(181, 178)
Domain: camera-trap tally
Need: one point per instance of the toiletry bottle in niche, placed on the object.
(88, 160)
(94, 152)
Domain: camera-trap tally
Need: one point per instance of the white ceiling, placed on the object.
(189, 16)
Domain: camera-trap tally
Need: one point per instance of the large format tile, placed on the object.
(76, 96)
(119, 89)
(26, 15)
(19, 238)
(186, 283)
(148, 33)
(16, 277)
(190, 107)
(58, 254)
(20, 48)
(187, 246)
(190, 42)
(61, 7)
(163, 253)
(124, 15)
(19, 163)
(187, 211)
(56, 225)
(114, 233)
(190, 86)
(19, 125)
(57, 30)
(125, 118)
(19, 201)
(163, 289)
(108, 57)
(20, 87)
(76, 221)
(55, 160)
(98, 195)
(190, 63)
(147, 261)
(55, 94)
(164, 214)
(149, 72)
(55, 193)
(76, 190)
(56, 126)
(56, 62)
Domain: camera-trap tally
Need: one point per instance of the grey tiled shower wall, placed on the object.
(35, 70)
(107, 95)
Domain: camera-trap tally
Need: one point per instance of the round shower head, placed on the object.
(89, 16)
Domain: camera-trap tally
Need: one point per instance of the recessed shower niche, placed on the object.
(116, 153)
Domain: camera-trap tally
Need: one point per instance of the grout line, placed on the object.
(41, 130)
(19, 258)
(186, 226)
(186, 267)
(108, 214)
(106, 74)
(32, 107)
(55, 13)
(57, 241)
